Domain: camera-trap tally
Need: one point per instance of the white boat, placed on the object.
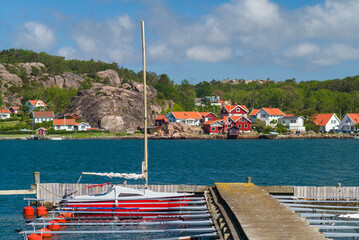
(56, 138)
(124, 201)
(349, 216)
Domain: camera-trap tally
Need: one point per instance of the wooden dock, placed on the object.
(262, 217)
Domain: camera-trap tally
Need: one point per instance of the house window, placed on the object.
(210, 118)
(263, 116)
(334, 121)
(238, 110)
(213, 128)
(245, 126)
(293, 121)
(243, 120)
(68, 127)
(82, 127)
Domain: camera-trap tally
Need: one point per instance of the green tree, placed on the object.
(259, 125)
(281, 128)
(1, 98)
(204, 89)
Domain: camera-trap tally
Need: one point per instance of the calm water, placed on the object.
(203, 162)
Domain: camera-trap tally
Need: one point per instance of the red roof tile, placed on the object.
(273, 111)
(44, 114)
(187, 115)
(33, 102)
(2, 110)
(354, 117)
(64, 122)
(229, 108)
(160, 117)
(254, 112)
(321, 119)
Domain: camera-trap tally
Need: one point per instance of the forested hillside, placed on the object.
(297, 97)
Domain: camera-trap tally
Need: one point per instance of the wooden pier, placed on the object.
(262, 217)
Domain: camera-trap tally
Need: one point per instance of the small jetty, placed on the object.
(223, 211)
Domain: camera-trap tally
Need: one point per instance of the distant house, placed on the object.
(207, 116)
(160, 121)
(292, 122)
(71, 116)
(268, 115)
(83, 126)
(64, 124)
(348, 122)
(242, 123)
(213, 126)
(14, 109)
(42, 131)
(44, 116)
(32, 104)
(233, 110)
(190, 118)
(253, 114)
(326, 121)
(4, 113)
(212, 100)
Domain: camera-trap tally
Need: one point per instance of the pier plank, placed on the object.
(262, 217)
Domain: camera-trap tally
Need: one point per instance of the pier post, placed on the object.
(248, 179)
(36, 177)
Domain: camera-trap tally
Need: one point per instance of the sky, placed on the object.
(197, 40)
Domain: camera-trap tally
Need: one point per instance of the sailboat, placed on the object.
(125, 201)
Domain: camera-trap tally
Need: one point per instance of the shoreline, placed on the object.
(199, 137)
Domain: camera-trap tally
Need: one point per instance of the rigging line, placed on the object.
(49, 191)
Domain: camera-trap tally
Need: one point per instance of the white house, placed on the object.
(32, 104)
(4, 113)
(64, 124)
(83, 126)
(326, 121)
(268, 115)
(292, 122)
(190, 118)
(45, 116)
(348, 122)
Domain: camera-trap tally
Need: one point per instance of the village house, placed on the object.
(292, 122)
(42, 131)
(160, 121)
(233, 110)
(14, 109)
(190, 118)
(71, 116)
(348, 122)
(241, 124)
(32, 104)
(212, 100)
(268, 115)
(44, 116)
(207, 116)
(213, 126)
(326, 121)
(64, 124)
(83, 126)
(4, 113)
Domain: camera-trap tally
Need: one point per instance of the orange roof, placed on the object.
(273, 111)
(254, 112)
(80, 123)
(93, 128)
(15, 107)
(236, 118)
(231, 107)
(44, 114)
(210, 122)
(2, 110)
(321, 119)
(69, 114)
(33, 102)
(187, 115)
(204, 113)
(354, 117)
(160, 117)
(63, 122)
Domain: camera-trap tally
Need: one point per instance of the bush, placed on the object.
(268, 129)
(281, 128)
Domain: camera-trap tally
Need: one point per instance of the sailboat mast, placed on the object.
(144, 100)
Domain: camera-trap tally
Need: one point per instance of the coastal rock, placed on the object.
(179, 129)
(110, 77)
(115, 109)
(9, 78)
(68, 80)
(28, 66)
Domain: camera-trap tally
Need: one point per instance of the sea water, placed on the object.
(319, 162)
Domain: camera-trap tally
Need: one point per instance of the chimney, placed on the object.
(270, 107)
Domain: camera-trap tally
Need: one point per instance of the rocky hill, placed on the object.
(105, 101)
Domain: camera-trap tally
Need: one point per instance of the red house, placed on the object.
(42, 131)
(207, 116)
(71, 116)
(241, 122)
(233, 110)
(160, 121)
(213, 126)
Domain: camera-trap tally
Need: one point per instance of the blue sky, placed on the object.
(195, 40)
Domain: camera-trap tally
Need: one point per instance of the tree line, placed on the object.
(302, 98)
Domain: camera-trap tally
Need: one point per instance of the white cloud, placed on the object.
(35, 36)
(68, 52)
(208, 54)
(302, 50)
(110, 40)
